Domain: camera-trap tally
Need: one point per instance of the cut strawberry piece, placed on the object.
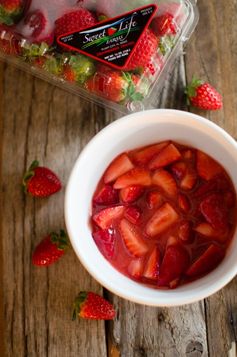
(135, 176)
(118, 167)
(206, 262)
(214, 211)
(154, 199)
(174, 264)
(184, 231)
(183, 203)
(179, 169)
(107, 195)
(166, 182)
(208, 231)
(132, 238)
(135, 268)
(143, 156)
(105, 240)
(152, 266)
(106, 217)
(131, 193)
(207, 168)
(162, 219)
(230, 199)
(188, 154)
(165, 157)
(133, 214)
(189, 180)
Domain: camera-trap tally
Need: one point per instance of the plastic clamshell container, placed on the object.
(115, 53)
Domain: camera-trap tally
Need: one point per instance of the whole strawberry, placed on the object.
(10, 11)
(164, 25)
(74, 21)
(78, 69)
(89, 305)
(203, 96)
(50, 249)
(40, 181)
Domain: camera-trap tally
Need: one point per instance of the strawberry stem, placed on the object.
(29, 173)
(80, 299)
(61, 240)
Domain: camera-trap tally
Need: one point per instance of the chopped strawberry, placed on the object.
(118, 167)
(183, 203)
(230, 199)
(188, 154)
(143, 156)
(162, 219)
(132, 238)
(154, 199)
(135, 268)
(133, 214)
(135, 176)
(152, 266)
(106, 217)
(174, 264)
(165, 157)
(164, 25)
(206, 262)
(105, 240)
(164, 180)
(207, 168)
(189, 180)
(107, 195)
(184, 231)
(207, 230)
(214, 211)
(131, 193)
(179, 169)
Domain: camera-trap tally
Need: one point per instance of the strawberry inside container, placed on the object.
(114, 53)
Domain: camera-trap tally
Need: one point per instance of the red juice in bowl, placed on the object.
(164, 214)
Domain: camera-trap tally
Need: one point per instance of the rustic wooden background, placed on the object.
(41, 121)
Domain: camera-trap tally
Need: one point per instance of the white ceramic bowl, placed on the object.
(128, 133)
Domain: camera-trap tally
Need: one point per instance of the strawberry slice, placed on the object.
(164, 180)
(118, 167)
(105, 240)
(136, 176)
(152, 266)
(188, 154)
(107, 195)
(189, 180)
(174, 264)
(131, 193)
(106, 217)
(165, 157)
(179, 169)
(214, 211)
(135, 268)
(183, 203)
(162, 219)
(133, 214)
(230, 198)
(184, 231)
(154, 199)
(207, 168)
(206, 262)
(143, 156)
(207, 230)
(132, 238)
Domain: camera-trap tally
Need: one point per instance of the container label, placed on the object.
(111, 41)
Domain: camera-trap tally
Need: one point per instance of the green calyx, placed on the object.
(130, 92)
(190, 90)
(29, 174)
(35, 50)
(80, 299)
(166, 44)
(82, 66)
(9, 18)
(61, 240)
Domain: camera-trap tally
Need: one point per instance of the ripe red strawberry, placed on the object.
(164, 180)
(136, 176)
(135, 268)
(9, 45)
(50, 249)
(162, 219)
(145, 49)
(154, 199)
(143, 156)
(131, 193)
(107, 195)
(107, 216)
(183, 203)
(207, 168)
(89, 305)
(105, 240)
(133, 214)
(165, 157)
(202, 95)
(10, 11)
(132, 238)
(78, 69)
(40, 181)
(118, 167)
(75, 20)
(151, 270)
(164, 25)
(207, 230)
(214, 211)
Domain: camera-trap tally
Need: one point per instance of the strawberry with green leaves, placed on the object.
(10, 11)
(40, 181)
(164, 25)
(50, 249)
(202, 95)
(78, 69)
(89, 305)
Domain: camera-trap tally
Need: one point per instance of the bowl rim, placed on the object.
(208, 290)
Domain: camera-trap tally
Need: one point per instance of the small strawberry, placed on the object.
(78, 69)
(202, 95)
(50, 249)
(164, 25)
(40, 181)
(89, 305)
(10, 11)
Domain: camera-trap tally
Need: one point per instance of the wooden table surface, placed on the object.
(41, 121)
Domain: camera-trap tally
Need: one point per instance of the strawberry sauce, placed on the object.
(164, 214)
